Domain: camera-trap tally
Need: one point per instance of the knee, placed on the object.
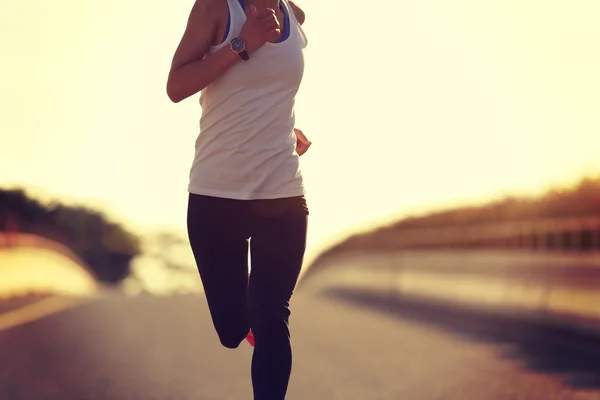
(232, 340)
(269, 314)
(230, 344)
(271, 322)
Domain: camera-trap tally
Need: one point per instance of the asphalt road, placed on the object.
(345, 347)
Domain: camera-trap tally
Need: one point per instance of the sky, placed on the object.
(410, 106)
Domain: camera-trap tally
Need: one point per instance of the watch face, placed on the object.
(237, 44)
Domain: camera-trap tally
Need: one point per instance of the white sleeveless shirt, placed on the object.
(246, 148)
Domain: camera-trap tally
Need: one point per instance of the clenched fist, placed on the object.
(260, 27)
(302, 143)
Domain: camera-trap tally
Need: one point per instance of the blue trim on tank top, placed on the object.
(286, 29)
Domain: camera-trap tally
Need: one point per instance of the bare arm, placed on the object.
(190, 70)
(300, 16)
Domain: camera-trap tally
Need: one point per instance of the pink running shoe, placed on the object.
(250, 338)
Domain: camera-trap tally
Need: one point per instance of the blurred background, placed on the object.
(453, 185)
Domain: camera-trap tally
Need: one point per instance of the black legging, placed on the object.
(218, 230)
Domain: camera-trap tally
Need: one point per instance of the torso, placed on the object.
(246, 145)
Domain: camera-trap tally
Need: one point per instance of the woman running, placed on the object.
(246, 188)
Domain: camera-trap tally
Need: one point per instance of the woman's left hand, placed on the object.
(302, 143)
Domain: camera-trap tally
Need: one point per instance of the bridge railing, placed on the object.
(550, 234)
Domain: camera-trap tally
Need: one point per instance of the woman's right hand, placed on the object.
(260, 27)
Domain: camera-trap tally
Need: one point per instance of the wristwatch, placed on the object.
(239, 46)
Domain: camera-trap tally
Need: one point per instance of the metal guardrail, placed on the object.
(557, 287)
(545, 268)
(551, 234)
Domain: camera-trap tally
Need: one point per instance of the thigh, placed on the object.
(277, 249)
(218, 236)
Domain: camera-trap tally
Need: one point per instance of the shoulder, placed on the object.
(298, 12)
(208, 10)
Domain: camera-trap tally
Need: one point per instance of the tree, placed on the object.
(105, 246)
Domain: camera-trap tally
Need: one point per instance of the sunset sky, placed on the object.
(409, 104)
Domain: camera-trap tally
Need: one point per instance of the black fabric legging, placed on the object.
(219, 230)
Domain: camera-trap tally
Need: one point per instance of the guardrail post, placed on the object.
(596, 239)
(546, 288)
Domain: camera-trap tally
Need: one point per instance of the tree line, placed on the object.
(104, 245)
(580, 200)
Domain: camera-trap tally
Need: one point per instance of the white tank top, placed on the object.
(246, 148)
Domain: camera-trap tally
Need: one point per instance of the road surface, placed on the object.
(115, 347)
